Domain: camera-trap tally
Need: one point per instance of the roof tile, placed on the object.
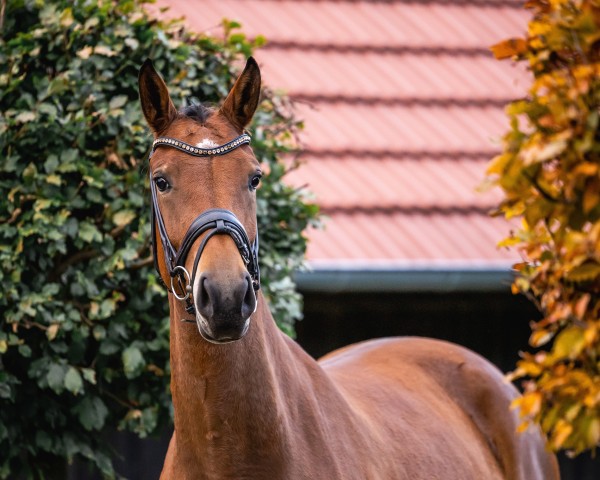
(403, 107)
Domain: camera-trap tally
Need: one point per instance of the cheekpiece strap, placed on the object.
(198, 151)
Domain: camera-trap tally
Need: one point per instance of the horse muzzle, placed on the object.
(223, 308)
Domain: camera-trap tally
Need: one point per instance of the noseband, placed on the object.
(215, 221)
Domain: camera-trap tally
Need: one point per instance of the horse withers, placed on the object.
(249, 403)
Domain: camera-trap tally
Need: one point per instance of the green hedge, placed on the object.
(84, 325)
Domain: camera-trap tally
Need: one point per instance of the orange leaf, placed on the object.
(540, 337)
(591, 197)
(509, 48)
(562, 430)
(530, 404)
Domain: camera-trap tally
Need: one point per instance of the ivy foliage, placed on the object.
(550, 173)
(84, 340)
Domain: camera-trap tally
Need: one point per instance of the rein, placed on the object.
(215, 221)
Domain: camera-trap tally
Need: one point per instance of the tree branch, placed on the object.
(144, 262)
(76, 258)
(541, 190)
(2, 13)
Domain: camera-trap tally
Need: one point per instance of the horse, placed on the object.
(249, 403)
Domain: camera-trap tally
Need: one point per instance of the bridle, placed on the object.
(215, 221)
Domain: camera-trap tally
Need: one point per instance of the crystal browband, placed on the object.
(198, 151)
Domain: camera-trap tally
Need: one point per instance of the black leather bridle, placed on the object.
(215, 221)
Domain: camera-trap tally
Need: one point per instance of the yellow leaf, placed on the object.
(591, 400)
(85, 52)
(590, 334)
(569, 343)
(572, 412)
(133, 414)
(584, 273)
(498, 163)
(539, 28)
(593, 432)
(530, 404)
(53, 180)
(3, 346)
(562, 430)
(530, 369)
(509, 242)
(52, 331)
(104, 50)
(524, 426)
(509, 48)
(123, 217)
(517, 208)
(66, 17)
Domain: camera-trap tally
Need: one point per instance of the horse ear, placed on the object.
(156, 103)
(241, 103)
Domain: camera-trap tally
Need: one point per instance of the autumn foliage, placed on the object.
(549, 171)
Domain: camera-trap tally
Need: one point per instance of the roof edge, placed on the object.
(412, 276)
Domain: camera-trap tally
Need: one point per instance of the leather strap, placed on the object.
(195, 151)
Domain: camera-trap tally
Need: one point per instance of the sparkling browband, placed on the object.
(201, 152)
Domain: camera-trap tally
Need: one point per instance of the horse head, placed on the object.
(203, 177)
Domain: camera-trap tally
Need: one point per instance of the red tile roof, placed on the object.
(403, 107)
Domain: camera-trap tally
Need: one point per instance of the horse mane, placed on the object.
(197, 111)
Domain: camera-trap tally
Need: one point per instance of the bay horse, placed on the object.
(249, 403)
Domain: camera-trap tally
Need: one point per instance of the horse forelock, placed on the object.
(198, 111)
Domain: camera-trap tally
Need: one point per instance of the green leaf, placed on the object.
(43, 440)
(89, 233)
(92, 413)
(89, 375)
(69, 155)
(73, 381)
(133, 361)
(56, 377)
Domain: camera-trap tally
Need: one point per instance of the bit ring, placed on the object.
(187, 282)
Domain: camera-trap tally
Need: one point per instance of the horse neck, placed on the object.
(227, 398)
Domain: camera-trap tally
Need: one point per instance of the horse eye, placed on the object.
(255, 182)
(161, 184)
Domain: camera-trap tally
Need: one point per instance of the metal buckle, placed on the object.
(187, 283)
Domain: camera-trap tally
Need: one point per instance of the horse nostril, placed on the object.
(205, 300)
(249, 301)
(225, 301)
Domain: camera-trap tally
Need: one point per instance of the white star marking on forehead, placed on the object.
(207, 143)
